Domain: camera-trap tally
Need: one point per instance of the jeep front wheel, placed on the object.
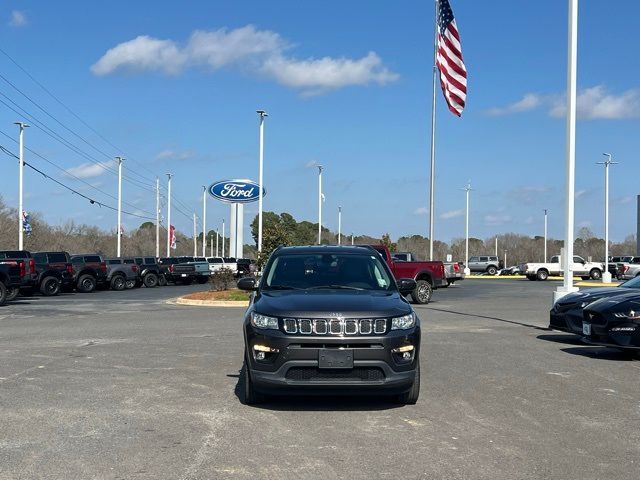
(411, 397)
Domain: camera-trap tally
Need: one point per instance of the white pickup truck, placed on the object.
(581, 268)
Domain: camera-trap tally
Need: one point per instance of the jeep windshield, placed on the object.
(327, 271)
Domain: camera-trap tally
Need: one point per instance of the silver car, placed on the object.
(489, 264)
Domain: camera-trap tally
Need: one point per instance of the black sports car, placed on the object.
(613, 322)
(567, 313)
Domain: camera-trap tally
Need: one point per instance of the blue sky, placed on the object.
(175, 85)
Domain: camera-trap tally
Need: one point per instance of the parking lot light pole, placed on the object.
(339, 225)
(572, 80)
(204, 220)
(222, 238)
(195, 236)
(22, 126)
(217, 243)
(467, 189)
(211, 246)
(606, 275)
(545, 235)
(119, 232)
(505, 259)
(262, 114)
(169, 214)
(319, 204)
(157, 217)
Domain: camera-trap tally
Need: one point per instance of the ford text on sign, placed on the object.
(236, 191)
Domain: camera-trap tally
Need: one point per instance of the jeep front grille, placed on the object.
(335, 326)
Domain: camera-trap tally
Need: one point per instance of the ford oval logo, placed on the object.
(236, 191)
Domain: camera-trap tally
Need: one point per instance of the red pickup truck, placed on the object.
(428, 275)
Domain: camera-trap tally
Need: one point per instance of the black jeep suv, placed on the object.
(330, 320)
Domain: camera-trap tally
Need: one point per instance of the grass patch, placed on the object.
(233, 295)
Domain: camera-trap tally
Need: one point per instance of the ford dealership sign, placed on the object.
(236, 191)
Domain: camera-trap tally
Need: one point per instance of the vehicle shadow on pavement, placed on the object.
(602, 353)
(567, 338)
(475, 315)
(310, 403)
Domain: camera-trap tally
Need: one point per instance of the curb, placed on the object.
(597, 284)
(209, 303)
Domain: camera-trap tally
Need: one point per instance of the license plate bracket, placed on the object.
(335, 358)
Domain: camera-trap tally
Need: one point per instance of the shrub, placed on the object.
(222, 279)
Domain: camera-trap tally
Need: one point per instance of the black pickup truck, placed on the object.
(89, 271)
(54, 272)
(27, 282)
(150, 272)
(11, 274)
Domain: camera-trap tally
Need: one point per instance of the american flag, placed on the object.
(453, 73)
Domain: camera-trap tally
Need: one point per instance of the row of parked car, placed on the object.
(49, 273)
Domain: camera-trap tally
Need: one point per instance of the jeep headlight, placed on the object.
(262, 321)
(403, 323)
(630, 315)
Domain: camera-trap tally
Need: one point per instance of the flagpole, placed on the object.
(433, 132)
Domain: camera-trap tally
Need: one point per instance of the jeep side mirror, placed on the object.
(406, 285)
(248, 283)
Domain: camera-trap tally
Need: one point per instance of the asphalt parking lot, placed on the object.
(122, 385)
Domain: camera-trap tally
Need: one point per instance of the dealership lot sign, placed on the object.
(236, 191)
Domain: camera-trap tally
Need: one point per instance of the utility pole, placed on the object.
(545, 234)
(262, 114)
(195, 236)
(222, 238)
(217, 242)
(204, 220)
(119, 233)
(169, 214)
(319, 204)
(339, 225)
(22, 126)
(211, 246)
(467, 189)
(352, 239)
(572, 85)
(157, 217)
(606, 276)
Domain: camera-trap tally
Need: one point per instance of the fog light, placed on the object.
(406, 356)
(403, 349)
(260, 355)
(265, 349)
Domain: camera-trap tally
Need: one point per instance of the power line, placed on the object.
(68, 109)
(91, 200)
(69, 174)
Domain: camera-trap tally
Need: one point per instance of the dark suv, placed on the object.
(330, 320)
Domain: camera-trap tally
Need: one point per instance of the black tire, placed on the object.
(531, 277)
(202, 280)
(50, 286)
(3, 294)
(118, 283)
(129, 284)
(411, 397)
(584, 278)
(542, 275)
(12, 293)
(492, 270)
(162, 280)
(86, 284)
(422, 293)
(249, 394)
(595, 274)
(150, 280)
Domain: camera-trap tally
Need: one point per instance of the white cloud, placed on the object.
(452, 214)
(312, 164)
(18, 19)
(626, 199)
(421, 211)
(594, 103)
(261, 51)
(528, 194)
(169, 154)
(580, 193)
(529, 102)
(494, 220)
(88, 170)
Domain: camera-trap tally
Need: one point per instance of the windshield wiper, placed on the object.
(282, 287)
(337, 287)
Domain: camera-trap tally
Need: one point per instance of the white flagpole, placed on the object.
(433, 133)
(204, 220)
